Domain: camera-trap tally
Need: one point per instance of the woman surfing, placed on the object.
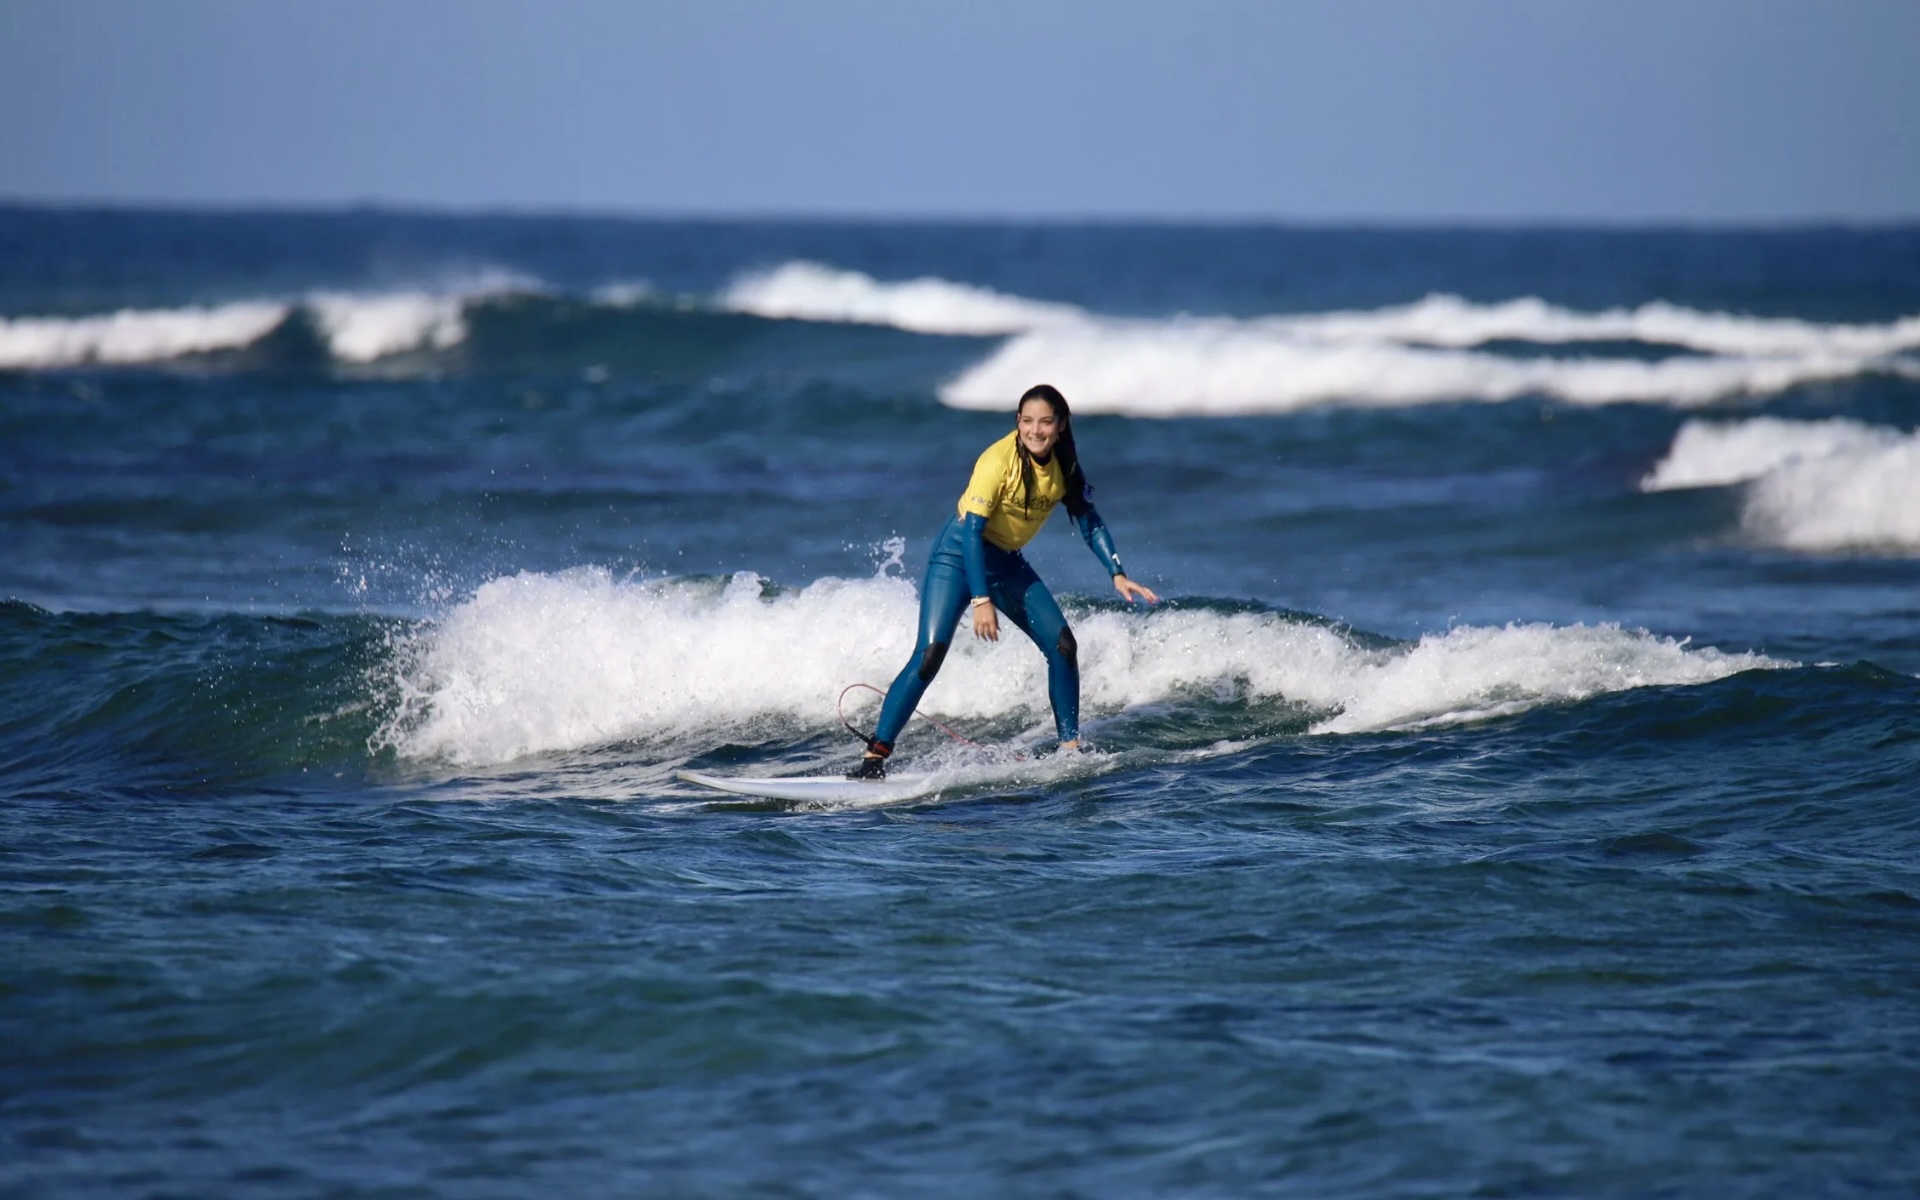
(976, 563)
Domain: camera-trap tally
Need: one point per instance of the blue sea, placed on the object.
(1516, 792)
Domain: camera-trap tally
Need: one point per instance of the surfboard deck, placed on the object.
(825, 789)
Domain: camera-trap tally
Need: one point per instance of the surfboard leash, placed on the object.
(839, 708)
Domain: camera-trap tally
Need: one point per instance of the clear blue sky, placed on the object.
(1362, 110)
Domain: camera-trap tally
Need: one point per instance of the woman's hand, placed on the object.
(1129, 591)
(986, 622)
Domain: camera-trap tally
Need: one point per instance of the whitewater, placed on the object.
(1439, 349)
(1512, 795)
(535, 664)
(1830, 485)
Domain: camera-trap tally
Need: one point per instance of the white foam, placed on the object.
(539, 663)
(1857, 498)
(1472, 672)
(814, 292)
(1398, 355)
(624, 295)
(363, 327)
(1816, 486)
(359, 327)
(135, 335)
(1218, 368)
(1445, 320)
(1717, 453)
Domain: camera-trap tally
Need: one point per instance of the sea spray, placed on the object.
(536, 663)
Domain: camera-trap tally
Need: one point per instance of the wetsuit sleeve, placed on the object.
(1094, 530)
(973, 552)
(978, 503)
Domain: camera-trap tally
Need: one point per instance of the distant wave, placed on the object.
(1430, 351)
(1815, 486)
(814, 292)
(536, 663)
(355, 327)
(1218, 368)
(1440, 349)
(363, 329)
(1716, 453)
(1442, 320)
(135, 335)
(624, 295)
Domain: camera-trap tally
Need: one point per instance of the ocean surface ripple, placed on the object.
(1514, 796)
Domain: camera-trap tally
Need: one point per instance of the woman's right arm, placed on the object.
(976, 505)
(973, 553)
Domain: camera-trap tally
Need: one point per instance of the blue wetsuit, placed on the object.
(964, 564)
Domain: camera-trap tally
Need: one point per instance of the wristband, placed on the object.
(979, 600)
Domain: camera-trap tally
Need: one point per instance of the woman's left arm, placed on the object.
(1100, 541)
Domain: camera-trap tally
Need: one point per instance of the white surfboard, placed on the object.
(822, 789)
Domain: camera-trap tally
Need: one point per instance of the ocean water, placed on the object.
(1514, 795)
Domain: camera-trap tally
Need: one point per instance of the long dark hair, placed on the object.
(1078, 489)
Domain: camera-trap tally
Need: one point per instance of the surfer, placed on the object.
(976, 564)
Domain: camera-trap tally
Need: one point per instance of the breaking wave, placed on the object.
(1816, 486)
(363, 329)
(1440, 349)
(1432, 351)
(135, 335)
(537, 663)
(355, 327)
(815, 292)
(1220, 368)
(1451, 321)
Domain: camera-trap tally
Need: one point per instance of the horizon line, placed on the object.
(744, 215)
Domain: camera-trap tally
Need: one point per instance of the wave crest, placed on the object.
(363, 329)
(356, 327)
(815, 292)
(1439, 349)
(1812, 485)
(1218, 368)
(1452, 321)
(538, 663)
(135, 335)
(1430, 351)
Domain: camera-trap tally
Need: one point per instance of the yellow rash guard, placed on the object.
(994, 494)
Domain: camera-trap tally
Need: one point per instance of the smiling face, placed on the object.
(1039, 429)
